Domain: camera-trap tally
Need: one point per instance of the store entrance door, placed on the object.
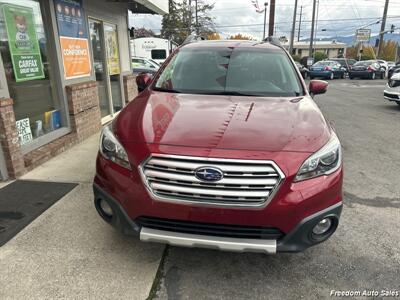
(106, 62)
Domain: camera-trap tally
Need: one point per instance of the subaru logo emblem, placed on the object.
(208, 174)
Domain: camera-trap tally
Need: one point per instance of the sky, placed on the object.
(336, 17)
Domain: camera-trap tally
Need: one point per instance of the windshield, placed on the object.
(255, 72)
(324, 63)
(362, 63)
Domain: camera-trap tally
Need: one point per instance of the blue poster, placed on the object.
(71, 18)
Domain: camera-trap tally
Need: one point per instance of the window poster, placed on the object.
(73, 34)
(23, 42)
(112, 51)
(24, 131)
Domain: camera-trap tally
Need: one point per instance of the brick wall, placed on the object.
(9, 139)
(84, 109)
(130, 87)
(85, 118)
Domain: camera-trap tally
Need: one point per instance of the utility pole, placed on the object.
(310, 49)
(293, 28)
(316, 29)
(271, 18)
(197, 20)
(190, 17)
(301, 13)
(383, 25)
(265, 18)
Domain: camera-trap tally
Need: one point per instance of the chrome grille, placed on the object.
(249, 183)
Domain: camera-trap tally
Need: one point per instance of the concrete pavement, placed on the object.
(69, 252)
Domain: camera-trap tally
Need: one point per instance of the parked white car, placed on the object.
(384, 65)
(392, 89)
(142, 64)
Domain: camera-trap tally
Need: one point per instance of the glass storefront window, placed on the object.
(25, 50)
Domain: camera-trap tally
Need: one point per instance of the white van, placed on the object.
(153, 48)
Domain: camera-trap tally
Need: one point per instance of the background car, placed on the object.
(393, 70)
(327, 69)
(142, 64)
(384, 65)
(303, 70)
(392, 89)
(391, 64)
(367, 69)
(346, 63)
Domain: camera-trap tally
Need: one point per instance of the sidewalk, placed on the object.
(69, 251)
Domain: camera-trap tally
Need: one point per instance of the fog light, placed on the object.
(105, 208)
(322, 227)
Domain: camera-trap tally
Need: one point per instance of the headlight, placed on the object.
(112, 149)
(323, 162)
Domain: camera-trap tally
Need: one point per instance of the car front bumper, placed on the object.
(296, 240)
(392, 94)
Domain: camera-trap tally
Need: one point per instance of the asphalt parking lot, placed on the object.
(69, 252)
(362, 255)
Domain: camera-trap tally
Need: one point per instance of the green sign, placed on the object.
(23, 42)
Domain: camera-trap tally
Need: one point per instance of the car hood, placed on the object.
(225, 122)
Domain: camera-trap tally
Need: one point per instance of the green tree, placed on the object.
(296, 57)
(205, 22)
(319, 56)
(181, 20)
(172, 24)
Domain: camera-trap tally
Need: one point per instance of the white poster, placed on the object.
(24, 131)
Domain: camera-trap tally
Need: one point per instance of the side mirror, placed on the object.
(143, 80)
(318, 87)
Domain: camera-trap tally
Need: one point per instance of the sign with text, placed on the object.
(24, 131)
(73, 38)
(363, 35)
(23, 42)
(76, 60)
(70, 18)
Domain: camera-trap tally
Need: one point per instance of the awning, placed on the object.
(159, 7)
(148, 6)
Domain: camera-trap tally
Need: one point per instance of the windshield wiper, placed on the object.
(234, 93)
(167, 90)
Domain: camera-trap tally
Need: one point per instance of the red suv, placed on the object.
(224, 148)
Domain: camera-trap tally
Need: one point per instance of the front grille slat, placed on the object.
(242, 181)
(192, 165)
(234, 231)
(245, 182)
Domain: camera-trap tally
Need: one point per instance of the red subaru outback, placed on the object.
(224, 148)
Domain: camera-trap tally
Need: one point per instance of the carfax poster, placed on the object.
(73, 34)
(23, 42)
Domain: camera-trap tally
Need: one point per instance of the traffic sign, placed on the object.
(363, 35)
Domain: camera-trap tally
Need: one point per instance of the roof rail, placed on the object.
(273, 40)
(193, 38)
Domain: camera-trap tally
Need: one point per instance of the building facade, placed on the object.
(65, 69)
(332, 49)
